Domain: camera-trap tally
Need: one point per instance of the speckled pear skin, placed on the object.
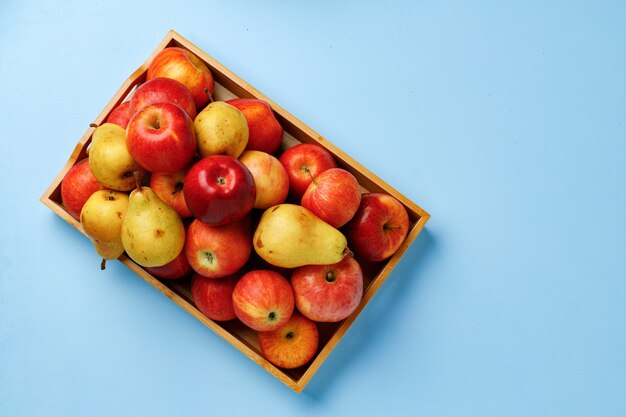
(152, 232)
(101, 218)
(109, 159)
(290, 236)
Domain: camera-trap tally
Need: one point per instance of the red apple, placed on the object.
(378, 228)
(77, 186)
(328, 293)
(177, 268)
(270, 178)
(263, 300)
(169, 188)
(304, 162)
(333, 196)
(219, 189)
(292, 345)
(162, 90)
(218, 251)
(214, 296)
(185, 67)
(265, 132)
(120, 115)
(161, 138)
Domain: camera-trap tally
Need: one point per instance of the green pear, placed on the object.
(101, 218)
(152, 232)
(109, 159)
(221, 129)
(290, 236)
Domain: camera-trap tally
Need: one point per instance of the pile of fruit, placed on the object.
(187, 187)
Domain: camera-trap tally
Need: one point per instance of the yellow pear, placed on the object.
(290, 236)
(109, 159)
(101, 218)
(152, 232)
(221, 129)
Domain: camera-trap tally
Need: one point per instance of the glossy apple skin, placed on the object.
(334, 196)
(263, 300)
(270, 178)
(219, 189)
(378, 228)
(162, 90)
(186, 68)
(161, 138)
(214, 296)
(169, 188)
(265, 132)
(77, 186)
(304, 162)
(328, 293)
(218, 251)
(292, 345)
(120, 115)
(175, 269)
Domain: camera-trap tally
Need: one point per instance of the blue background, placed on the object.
(505, 120)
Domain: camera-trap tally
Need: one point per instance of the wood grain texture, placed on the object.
(229, 85)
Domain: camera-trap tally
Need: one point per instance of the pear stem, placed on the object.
(103, 264)
(93, 125)
(348, 252)
(137, 175)
(208, 93)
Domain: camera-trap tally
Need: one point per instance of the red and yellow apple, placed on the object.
(304, 162)
(214, 296)
(169, 188)
(328, 293)
(77, 186)
(186, 68)
(265, 132)
(218, 251)
(162, 90)
(175, 269)
(333, 196)
(120, 115)
(292, 345)
(270, 178)
(263, 300)
(219, 189)
(161, 138)
(378, 228)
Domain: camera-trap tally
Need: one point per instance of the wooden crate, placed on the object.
(228, 85)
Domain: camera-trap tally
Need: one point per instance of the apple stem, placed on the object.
(93, 125)
(137, 175)
(388, 227)
(178, 188)
(308, 171)
(103, 264)
(208, 93)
